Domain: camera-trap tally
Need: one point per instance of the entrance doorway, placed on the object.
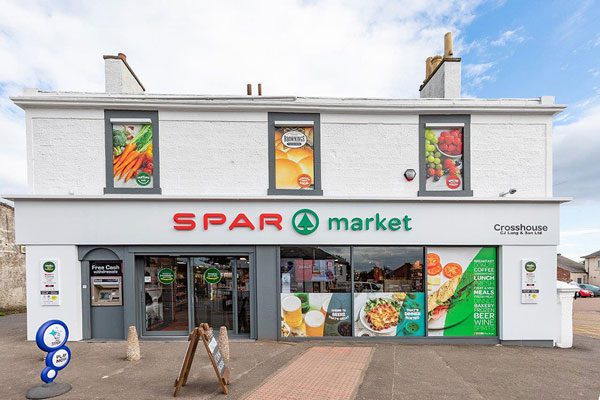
(183, 292)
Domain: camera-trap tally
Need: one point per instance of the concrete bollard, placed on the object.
(133, 345)
(224, 342)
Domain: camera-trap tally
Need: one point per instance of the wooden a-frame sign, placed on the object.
(214, 354)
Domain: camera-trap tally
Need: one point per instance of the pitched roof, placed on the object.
(594, 254)
(568, 264)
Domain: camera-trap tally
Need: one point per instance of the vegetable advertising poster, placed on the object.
(316, 314)
(461, 291)
(444, 159)
(132, 156)
(294, 158)
(389, 314)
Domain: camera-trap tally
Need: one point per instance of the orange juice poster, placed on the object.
(294, 158)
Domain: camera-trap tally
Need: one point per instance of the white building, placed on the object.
(284, 217)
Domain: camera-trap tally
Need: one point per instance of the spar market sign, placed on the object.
(304, 221)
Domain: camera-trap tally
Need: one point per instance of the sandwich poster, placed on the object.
(461, 291)
(389, 314)
(294, 158)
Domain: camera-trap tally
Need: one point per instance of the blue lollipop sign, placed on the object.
(52, 337)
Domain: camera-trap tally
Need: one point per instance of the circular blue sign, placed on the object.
(52, 335)
(58, 359)
(48, 374)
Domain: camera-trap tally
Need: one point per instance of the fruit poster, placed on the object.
(444, 159)
(389, 314)
(316, 314)
(461, 291)
(132, 155)
(294, 158)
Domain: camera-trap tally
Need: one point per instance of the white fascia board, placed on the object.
(130, 121)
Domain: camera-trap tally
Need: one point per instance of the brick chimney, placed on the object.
(119, 77)
(442, 74)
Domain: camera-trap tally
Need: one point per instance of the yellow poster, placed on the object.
(294, 158)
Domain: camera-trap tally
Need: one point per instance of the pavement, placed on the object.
(261, 370)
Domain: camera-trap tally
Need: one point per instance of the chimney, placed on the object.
(442, 74)
(119, 77)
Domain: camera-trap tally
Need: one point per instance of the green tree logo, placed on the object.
(305, 221)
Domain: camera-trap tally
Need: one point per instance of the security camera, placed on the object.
(510, 191)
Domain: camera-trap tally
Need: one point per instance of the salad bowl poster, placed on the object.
(461, 291)
(389, 314)
(294, 158)
(132, 156)
(443, 159)
(316, 314)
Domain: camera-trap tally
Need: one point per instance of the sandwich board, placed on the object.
(214, 354)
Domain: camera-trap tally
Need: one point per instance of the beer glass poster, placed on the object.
(316, 314)
(461, 291)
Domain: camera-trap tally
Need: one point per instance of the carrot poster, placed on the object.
(132, 156)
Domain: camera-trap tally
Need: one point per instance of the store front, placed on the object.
(418, 270)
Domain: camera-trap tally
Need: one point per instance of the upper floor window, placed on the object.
(444, 146)
(132, 164)
(294, 154)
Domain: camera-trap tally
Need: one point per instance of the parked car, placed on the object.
(592, 288)
(584, 293)
(367, 287)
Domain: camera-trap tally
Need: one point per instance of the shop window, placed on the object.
(444, 155)
(315, 292)
(389, 298)
(132, 164)
(294, 154)
(461, 291)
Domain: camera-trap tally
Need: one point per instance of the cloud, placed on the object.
(509, 36)
(575, 146)
(579, 232)
(477, 74)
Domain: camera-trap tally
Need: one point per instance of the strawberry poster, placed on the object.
(444, 159)
(461, 291)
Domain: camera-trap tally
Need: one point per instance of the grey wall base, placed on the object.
(528, 343)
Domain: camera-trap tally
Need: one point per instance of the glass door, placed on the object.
(166, 295)
(222, 292)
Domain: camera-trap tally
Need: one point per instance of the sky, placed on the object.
(322, 48)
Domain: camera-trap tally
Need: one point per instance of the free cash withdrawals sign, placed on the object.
(49, 282)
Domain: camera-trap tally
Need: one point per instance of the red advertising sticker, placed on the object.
(304, 180)
(453, 182)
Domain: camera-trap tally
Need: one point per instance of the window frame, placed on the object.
(108, 151)
(451, 120)
(312, 117)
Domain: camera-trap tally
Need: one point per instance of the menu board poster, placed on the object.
(316, 314)
(389, 314)
(49, 282)
(294, 158)
(461, 291)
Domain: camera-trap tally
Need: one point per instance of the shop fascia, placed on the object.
(304, 221)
